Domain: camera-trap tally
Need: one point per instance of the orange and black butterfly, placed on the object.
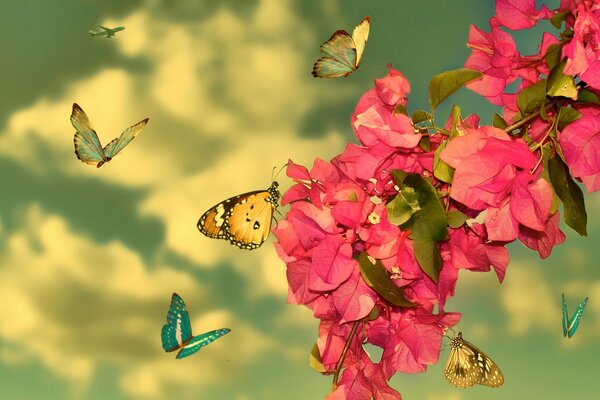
(243, 220)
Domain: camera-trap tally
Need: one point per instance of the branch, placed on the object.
(338, 367)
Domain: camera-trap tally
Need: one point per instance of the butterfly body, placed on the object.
(176, 334)
(244, 220)
(467, 366)
(570, 325)
(87, 144)
(342, 52)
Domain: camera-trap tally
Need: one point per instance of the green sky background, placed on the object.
(89, 258)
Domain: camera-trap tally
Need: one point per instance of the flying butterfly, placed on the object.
(467, 366)
(570, 324)
(342, 52)
(177, 332)
(87, 145)
(244, 220)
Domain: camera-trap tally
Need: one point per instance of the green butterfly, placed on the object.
(342, 52)
(176, 334)
(570, 324)
(87, 145)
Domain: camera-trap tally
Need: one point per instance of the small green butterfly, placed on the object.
(467, 366)
(176, 334)
(570, 324)
(342, 52)
(87, 145)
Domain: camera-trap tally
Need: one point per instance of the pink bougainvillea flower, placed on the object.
(495, 54)
(583, 51)
(580, 141)
(393, 88)
(543, 241)
(520, 14)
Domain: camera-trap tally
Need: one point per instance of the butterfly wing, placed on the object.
(574, 320)
(87, 145)
(360, 35)
(467, 366)
(243, 220)
(339, 57)
(116, 145)
(565, 316)
(177, 331)
(200, 341)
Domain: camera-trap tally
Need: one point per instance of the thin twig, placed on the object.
(338, 367)
(522, 122)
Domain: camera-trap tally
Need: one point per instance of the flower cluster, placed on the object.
(374, 239)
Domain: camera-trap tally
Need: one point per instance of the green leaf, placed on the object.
(546, 153)
(532, 98)
(425, 143)
(498, 121)
(456, 121)
(553, 54)
(587, 96)
(400, 109)
(399, 176)
(378, 279)
(441, 170)
(456, 219)
(561, 85)
(566, 115)
(314, 360)
(402, 206)
(374, 314)
(446, 83)
(570, 193)
(429, 258)
(428, 222)
(420, 116)
(558, 18)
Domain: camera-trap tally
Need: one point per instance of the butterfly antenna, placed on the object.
(273, 175)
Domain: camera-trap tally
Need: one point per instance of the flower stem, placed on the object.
(338, 367)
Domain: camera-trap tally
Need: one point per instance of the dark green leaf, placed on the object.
(561, 85)
(400, 109)
(587, 96)
(456, 219)
(531, 98)
(373, 314)
(441, 170)
(402, 206)
(566, 115)
(571, 195)
(456, 121)
(546, 153)
(378, 279)
(558, 18)
(314, 360)
(428, 256)
(429, 222)
(399, 176)
(446, 83)
(420, 116)
(498, 121)
(553, 55)
(425, 143)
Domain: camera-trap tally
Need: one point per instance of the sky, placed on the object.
(89, 257)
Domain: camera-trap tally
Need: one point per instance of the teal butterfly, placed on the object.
(342, 52)
(570, 324)
(87, 145)
(177, 332)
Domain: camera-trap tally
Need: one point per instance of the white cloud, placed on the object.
(528, 300)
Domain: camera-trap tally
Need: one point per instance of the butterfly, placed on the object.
(177, 332)
(87, 145)
(342, 52)
(467, 366)
(570, 324)
(243, 220)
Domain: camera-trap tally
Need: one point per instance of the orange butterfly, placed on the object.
(243, 220)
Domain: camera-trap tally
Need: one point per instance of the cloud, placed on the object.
(74, 304)
(528, 300)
